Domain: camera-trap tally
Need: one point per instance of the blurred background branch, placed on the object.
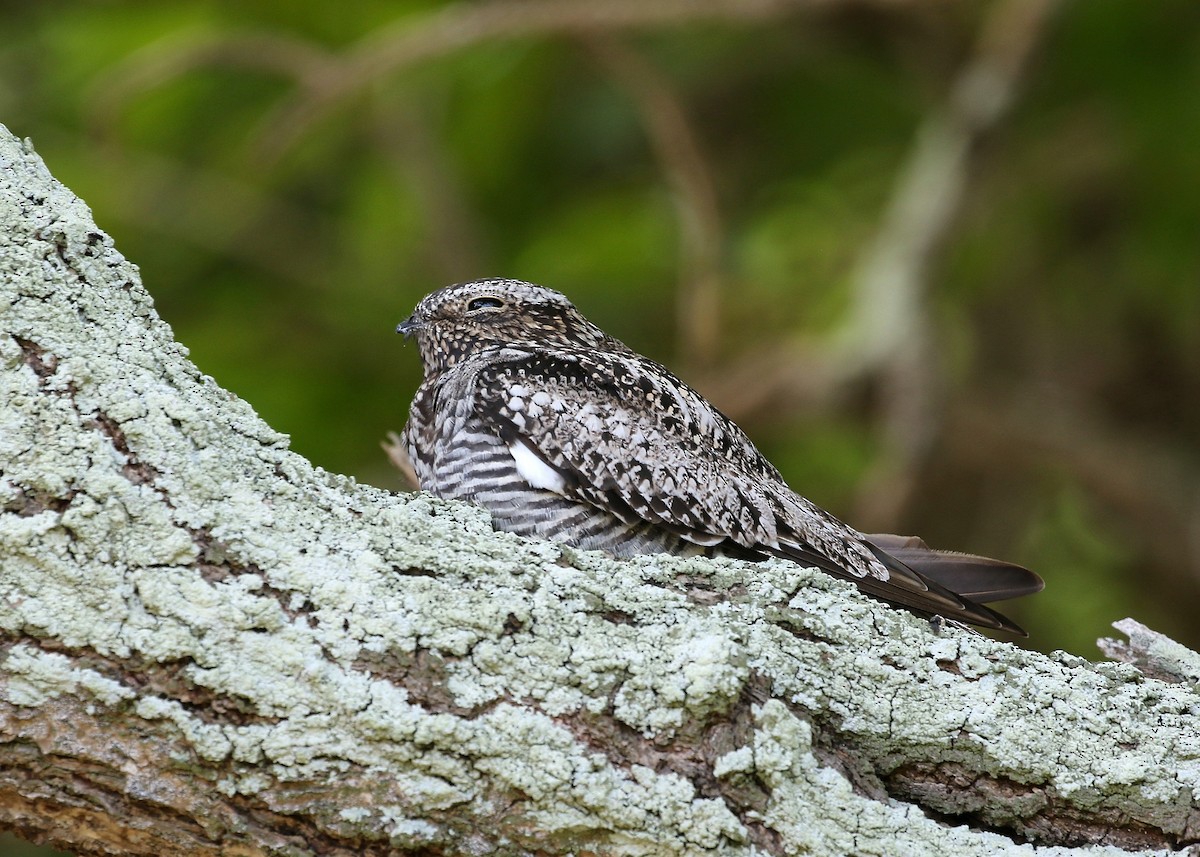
(934, 257)
(890, 332)
(459, 26)
(677, 148)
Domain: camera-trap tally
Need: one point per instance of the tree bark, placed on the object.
(209, 646)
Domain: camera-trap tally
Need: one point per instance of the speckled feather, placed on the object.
(561, 431)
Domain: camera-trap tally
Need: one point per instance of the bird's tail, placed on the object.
(928, 582)
(976, 577)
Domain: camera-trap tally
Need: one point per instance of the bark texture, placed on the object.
(208, 646)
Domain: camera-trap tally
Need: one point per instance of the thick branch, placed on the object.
(209, 646)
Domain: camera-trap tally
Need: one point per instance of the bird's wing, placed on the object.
(621, 433)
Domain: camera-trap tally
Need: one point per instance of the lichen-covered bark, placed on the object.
(208, 646)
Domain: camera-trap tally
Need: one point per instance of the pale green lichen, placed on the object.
(208, 740)
(820, 813)
(307, 574)
(1157, 652)
(32, 677)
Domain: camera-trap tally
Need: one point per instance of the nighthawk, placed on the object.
(561, 431)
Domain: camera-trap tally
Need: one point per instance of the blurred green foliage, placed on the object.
(1071, 275)
(11, 846)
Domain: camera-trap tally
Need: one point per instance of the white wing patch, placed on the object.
(533, 470)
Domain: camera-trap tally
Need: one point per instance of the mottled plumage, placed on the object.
(561, 431)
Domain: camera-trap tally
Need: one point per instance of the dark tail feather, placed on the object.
(925, 596)
(975, 577)
(918, 586)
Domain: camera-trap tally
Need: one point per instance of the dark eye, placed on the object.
(485, 303)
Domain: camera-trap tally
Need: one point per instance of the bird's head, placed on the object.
(459, 321)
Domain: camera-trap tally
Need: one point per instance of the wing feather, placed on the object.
(621, 433)
(632, 439)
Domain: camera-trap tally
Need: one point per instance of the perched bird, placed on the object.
(561, 431)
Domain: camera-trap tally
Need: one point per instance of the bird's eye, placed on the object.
(485, 303)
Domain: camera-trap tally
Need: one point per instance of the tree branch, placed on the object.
(890, 332)
(208, 646)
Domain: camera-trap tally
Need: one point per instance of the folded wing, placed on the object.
(621, 434)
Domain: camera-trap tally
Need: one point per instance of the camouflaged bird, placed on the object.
(560, 431)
